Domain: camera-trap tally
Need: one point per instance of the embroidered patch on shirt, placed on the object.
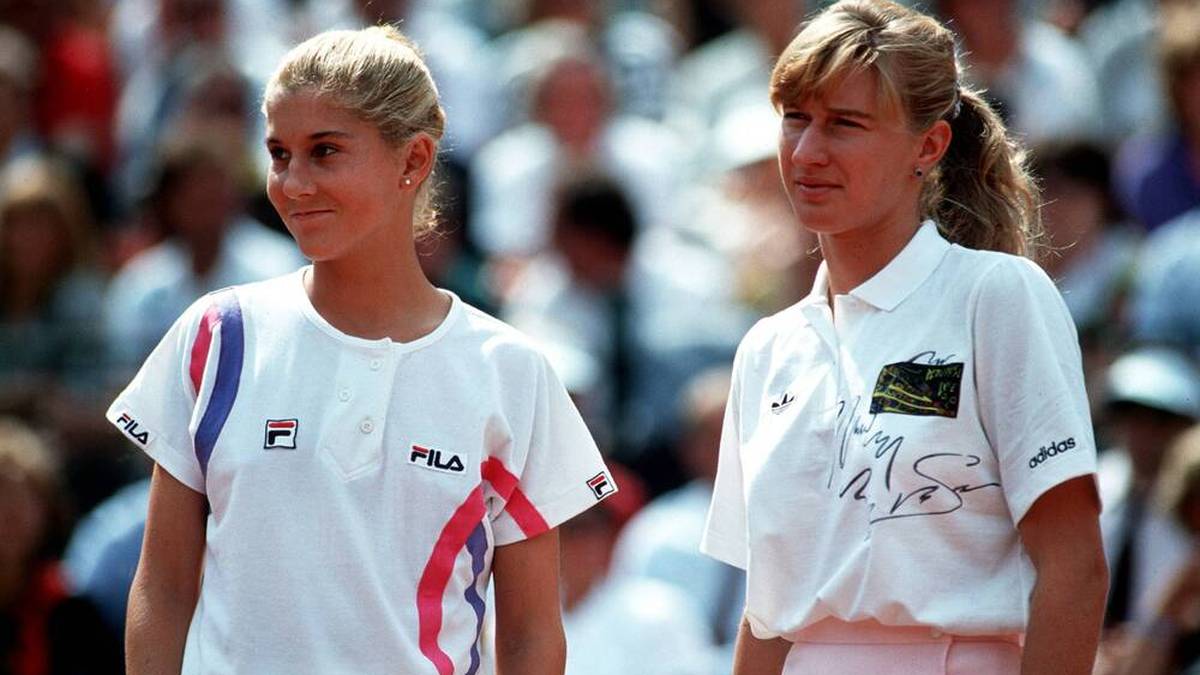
(918, 389)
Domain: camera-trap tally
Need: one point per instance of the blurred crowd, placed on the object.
(608, 185)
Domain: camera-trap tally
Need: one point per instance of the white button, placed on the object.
(366, 426)
(376, 364)
(344, 395)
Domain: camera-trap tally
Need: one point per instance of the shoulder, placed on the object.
(497, 342)
(995, 274)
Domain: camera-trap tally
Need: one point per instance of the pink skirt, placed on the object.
(832, 647)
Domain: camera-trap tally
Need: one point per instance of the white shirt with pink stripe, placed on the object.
(358, 488)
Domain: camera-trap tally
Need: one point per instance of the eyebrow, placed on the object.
(316, 136)
(851, 112)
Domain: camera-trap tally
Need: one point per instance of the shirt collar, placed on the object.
(907, 271)
(899, 278)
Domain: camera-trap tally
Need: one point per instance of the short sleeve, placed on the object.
(725, 537)
(553, 473)
(1029, 377)
(155, 409)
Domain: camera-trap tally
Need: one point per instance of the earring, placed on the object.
(918, 172)
(407, 180)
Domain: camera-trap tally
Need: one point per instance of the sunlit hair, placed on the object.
(379, 75)
(980, 193)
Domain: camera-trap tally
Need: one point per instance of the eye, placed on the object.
(323, 150)
(847, 122)
(796, 116)
(278, 154)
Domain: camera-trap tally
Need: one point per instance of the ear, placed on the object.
(934, 143)
(417, 156)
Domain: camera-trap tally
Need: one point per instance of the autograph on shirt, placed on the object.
(934, 494)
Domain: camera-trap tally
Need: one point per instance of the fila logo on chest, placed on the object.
(436, 460)
(281, 434)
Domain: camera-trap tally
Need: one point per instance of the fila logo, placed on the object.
(601, 486)
(281, 434)
(778, 406)
(131, 428)
(438, 460)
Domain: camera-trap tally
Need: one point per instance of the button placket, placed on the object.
(356, 442)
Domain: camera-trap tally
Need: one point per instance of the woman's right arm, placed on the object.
(167, 582)
(753, 656)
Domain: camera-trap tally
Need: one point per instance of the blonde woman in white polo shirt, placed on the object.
(907, 457)
(346, 455)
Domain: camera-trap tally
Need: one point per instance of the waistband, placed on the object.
(836, 631)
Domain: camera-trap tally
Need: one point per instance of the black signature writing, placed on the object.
(932, 498)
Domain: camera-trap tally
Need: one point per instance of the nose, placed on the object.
(809, 147)
(296, 180)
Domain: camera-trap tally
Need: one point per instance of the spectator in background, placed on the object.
(1166, 639)
(49, 291)
(1038, 78)
(575, 293)
(574, 126)
(730, 254)
(1153, 395)
(1120, 37)
(733, 69)
(1157, 174)
(18, 69)
(209, 243)
(77, 96)
(662, 541)
(1166, 284)
(43, 630)
(616, 624)
(1092, 253)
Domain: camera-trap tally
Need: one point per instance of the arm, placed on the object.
(753, 656)
(529, 632)
(1061, 532)
(167, 582)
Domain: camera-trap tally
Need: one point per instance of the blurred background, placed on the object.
(609, 186)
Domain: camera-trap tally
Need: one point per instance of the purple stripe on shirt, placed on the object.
(477, 544)
(229, 373)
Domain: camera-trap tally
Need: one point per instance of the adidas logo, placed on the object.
(1050, 450)
(779, 406)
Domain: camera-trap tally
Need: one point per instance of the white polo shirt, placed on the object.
(357, 487)
(875, 460)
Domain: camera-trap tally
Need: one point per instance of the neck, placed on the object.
(384, 296)
(853, 257)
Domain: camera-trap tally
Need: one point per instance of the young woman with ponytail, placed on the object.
(907, 461)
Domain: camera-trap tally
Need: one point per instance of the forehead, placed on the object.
(859, 90)
(304, 112)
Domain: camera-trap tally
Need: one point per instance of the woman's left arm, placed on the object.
(529, 632)
(1061, 532)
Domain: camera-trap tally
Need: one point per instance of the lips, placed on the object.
(301, 214)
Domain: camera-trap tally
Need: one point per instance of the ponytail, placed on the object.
(982, 194)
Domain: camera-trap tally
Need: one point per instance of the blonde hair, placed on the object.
(981, 193)
(379, 75)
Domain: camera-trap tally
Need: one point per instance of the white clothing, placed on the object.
(876, 460)
(358, 488)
